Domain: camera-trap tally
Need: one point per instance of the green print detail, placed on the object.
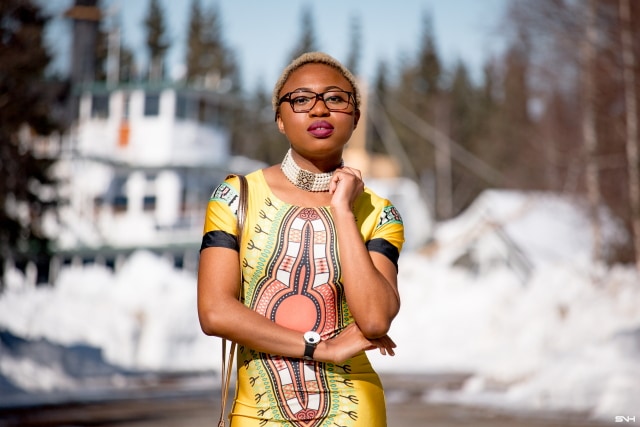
(389, 215)
(224, 193)
(269, 243)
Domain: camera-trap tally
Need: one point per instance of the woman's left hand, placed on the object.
(349, 342)
(345, 187)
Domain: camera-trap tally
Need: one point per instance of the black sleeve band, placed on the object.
(219, 239)
(385, 248)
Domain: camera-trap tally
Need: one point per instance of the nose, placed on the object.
(319, 108)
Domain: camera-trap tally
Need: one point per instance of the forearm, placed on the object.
(222, 314)
(372, 297)
(233, 321)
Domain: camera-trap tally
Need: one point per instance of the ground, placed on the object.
(167, 407)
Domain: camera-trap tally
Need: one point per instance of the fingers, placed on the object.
(350, 177)
(351, 341)
(345, 171)
(385, 345)
(351, 171)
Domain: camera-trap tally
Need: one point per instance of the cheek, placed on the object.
(350, 123)
(280, 123)
(291, 122)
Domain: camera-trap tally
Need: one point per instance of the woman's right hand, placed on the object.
(350, 342)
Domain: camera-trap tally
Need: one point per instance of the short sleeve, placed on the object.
(390, 226)
(220, 217)
(380, 225)
(388, 235)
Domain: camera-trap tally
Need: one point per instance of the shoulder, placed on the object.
(374, 197)
(378, 207)
(254, 178)
(371, 199)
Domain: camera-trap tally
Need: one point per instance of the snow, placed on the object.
(567, 340)
(552, 332)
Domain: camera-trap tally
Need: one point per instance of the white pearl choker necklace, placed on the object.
(304, 179)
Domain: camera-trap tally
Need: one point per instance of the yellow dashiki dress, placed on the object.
(292, 275)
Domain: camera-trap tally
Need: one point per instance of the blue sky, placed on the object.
(263, 33)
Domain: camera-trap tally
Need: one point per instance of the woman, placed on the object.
(319, 266)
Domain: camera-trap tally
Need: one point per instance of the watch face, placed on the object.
(312, 337)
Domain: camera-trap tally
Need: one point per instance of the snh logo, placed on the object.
(623, 419)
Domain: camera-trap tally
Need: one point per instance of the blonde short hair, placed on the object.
(314, 58)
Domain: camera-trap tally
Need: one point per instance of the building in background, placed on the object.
(139, 161)
(139, 164)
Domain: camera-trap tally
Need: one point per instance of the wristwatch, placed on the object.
(311, 340)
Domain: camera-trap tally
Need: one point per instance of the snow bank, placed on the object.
(143, 318)
(569, 339)
(563, 336)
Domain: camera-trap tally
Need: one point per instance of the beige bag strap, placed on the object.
(227, 362)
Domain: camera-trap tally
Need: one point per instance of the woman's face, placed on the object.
(320, 131)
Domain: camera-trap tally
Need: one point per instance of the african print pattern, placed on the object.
(293, 277)
(298, 289)
(389, 215)
(227, 194)
(295, 284)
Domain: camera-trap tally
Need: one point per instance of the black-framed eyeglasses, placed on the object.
(303, 101)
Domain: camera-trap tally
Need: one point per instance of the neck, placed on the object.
(304, 179)
(321, 164)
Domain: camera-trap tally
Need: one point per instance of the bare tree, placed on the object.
(579, 90)
(629, 64)
(589, 132)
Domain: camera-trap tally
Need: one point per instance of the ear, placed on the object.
(280, 123)
(356, 118)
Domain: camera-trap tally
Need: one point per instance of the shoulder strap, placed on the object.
(242, 205)
(227, 361)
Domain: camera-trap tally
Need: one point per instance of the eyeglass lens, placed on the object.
(302, 102)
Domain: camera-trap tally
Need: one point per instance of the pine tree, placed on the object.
(101, 51)
(512, 151)
(419, 91)
(265, 141)
(194, 43)
(127, 69)
(355, 46)
(157, 42)
(470, 108)
(462, 110)
(209, 61)
(25, 105)
(429, 72)
(381, 89)
(487, 96)
(307, 41)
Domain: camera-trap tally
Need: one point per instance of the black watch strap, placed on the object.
(311, 340)
(309, 349)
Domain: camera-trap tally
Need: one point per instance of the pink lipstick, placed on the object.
(320, 129)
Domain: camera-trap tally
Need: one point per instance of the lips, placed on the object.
(320, 129)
